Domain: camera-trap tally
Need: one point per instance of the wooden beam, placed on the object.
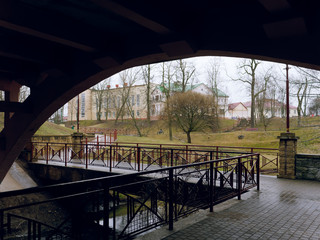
(14, 107)
(133, 16)
(45, 36)
(47, 25)
(275, 5)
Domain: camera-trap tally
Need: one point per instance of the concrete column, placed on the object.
(287, 153)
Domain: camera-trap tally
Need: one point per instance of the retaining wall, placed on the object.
(308, 167)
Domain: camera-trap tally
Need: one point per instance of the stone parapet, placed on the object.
(308, 167)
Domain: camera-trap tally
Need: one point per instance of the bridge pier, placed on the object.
(287, 153)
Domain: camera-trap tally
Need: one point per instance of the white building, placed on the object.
(237, 110)
(272, 108)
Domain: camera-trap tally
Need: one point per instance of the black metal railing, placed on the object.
(142, 158)
(149, 199)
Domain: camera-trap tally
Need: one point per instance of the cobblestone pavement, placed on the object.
(283, 209)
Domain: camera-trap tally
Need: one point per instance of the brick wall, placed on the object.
(308, 166)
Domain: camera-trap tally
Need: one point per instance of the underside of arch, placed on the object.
(60, 48)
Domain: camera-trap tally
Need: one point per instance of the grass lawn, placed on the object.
(49, 128)
(308, 133)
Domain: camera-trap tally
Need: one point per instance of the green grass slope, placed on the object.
(49, 128)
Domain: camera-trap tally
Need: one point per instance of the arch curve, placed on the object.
(61, 48)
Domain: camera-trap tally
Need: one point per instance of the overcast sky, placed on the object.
(237, 91)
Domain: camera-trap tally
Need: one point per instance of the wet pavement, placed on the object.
(282, 209)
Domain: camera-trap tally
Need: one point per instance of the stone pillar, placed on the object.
(287, 153)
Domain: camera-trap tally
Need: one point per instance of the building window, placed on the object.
(114, 114)
(83, 106)
(138, 100)
(132, 100)
(221, 111)
(138, 113)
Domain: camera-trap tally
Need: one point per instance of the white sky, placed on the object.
(236, 90)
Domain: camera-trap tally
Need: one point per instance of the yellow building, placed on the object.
(128, 101)
(111, 103)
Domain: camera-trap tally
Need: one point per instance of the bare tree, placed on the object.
(124, 107)
(128, 78)
(248, 75)
(166, 85)
(147, 77)
(311, 82)
(213, 72)
(315, 106)
(264, 104)
(134, 120)
(191, 111)
(184, 74)
(99, 92)
(301, 94)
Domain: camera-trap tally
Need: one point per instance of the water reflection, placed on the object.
(288, 197)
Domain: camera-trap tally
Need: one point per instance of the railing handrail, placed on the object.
(110, 178)
(130, 146)
(143, 145)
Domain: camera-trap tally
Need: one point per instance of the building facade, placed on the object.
(126, 102)
(272, 108)
(119, 102)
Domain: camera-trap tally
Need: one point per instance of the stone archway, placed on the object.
(60, 48)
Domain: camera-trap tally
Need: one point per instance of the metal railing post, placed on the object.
(187, 153)
(138, 158)
(1, 225)
(239, 178)
(86, 153)
(217, 152)
(9, 223)
(277, 162)
(160, 160)
(171, 157)
(29, 230)
(170, 199)
(106, 212)
(98, 148)
(258, 172)
(32, 147)
(211, 187)
(65, 154)
(47, 155)
(110, 167)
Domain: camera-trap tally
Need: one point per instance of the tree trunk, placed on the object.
(148, 94)
(189, 137)
(170, 128)
(299, 118)
(252, 107)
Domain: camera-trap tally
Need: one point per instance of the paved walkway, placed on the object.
(283, 209)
